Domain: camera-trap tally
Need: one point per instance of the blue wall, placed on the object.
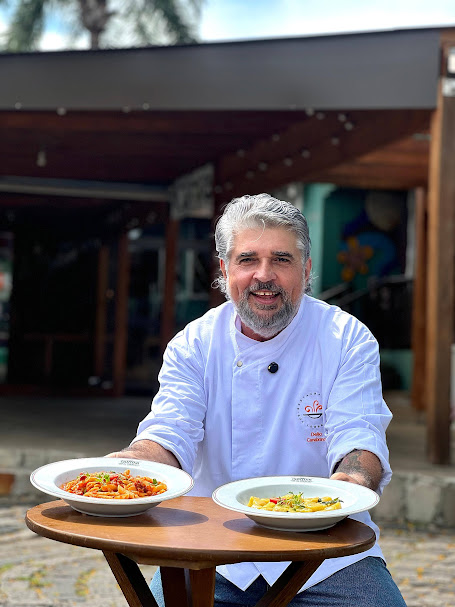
(343, 229)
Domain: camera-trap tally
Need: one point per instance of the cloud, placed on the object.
(3, 25)
(56, 41)
(237, 19)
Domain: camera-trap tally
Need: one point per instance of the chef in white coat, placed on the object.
(274, 382)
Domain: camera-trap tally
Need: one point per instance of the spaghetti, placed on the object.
(114, 485)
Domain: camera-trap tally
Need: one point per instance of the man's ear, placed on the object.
(308, 269)
(223, 268)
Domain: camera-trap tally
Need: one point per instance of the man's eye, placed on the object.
(245, 260)
(283, 259)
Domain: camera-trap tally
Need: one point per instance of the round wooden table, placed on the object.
(188, 537)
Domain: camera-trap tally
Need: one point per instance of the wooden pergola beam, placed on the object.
(204, 123)
(167, 330)
(419, 307)
(440, 270)
(375, 177)
(100, 333)
(121, 316)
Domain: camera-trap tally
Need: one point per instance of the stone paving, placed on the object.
(38, 572)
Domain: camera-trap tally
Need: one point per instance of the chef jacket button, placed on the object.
(273, 367)
(239, 363)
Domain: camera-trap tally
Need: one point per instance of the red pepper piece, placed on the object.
(274, 500)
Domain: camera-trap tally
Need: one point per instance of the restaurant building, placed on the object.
(115, 165)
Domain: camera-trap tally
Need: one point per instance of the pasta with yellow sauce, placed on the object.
(295, 502)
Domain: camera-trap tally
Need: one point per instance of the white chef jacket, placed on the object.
(226, 417)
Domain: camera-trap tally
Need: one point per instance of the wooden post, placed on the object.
(99, 354)
(418, 397)
(121, 316)
(168, 302)
(440, 272)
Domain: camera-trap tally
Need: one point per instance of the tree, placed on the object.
(112, 22)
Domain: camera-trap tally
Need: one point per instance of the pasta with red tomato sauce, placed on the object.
(114, 485)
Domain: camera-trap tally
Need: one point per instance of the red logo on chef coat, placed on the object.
(310, 410)
(315, 410)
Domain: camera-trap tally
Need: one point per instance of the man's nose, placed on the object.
(265, 272)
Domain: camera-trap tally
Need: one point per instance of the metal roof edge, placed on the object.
(237, 42)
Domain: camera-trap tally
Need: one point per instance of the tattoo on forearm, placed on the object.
(359, 463)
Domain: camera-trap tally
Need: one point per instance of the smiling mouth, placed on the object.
(265, 296)
(265, 293)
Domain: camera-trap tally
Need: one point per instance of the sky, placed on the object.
(223, 20)
(245, 19)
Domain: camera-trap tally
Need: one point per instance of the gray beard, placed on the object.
(266, 326)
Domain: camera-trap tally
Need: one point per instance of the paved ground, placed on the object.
(37, 572)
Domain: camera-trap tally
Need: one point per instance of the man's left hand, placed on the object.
(360, 467)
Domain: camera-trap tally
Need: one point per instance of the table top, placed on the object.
(194, 532)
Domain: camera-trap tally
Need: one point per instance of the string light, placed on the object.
(41, 158)
(288, 161)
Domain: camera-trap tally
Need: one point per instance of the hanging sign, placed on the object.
(192, 195)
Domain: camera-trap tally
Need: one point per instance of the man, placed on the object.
(246, 388)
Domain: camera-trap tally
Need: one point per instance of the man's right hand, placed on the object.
(147, 450)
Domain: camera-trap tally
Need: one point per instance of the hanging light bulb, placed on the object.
(41, 158)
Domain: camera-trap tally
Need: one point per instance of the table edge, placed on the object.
(142, 553)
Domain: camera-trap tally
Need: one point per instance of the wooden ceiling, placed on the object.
(401, 165)
(363, 148)
(136, 147)
(252, 151)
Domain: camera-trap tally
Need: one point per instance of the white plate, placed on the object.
(51, 477)
(235, 496)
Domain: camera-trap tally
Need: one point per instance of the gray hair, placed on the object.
(264, 211)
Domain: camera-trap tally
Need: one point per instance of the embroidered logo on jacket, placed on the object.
(309, 412)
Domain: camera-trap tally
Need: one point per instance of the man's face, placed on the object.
(265, 280)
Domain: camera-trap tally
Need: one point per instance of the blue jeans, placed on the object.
(366, 583)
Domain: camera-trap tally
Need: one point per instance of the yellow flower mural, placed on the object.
(354, 259)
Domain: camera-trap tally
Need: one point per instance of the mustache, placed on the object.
(265, 286)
